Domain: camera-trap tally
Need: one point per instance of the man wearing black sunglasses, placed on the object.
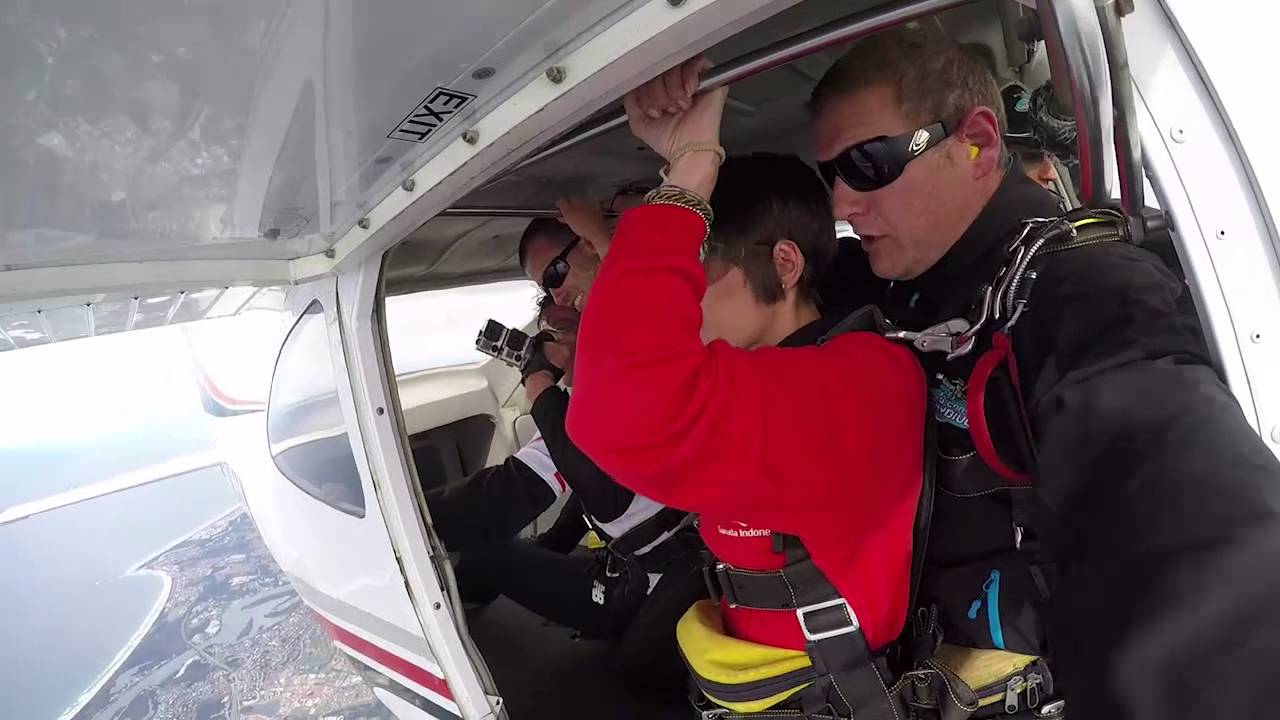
(1154, 501)
(556, 258)
(633, 591)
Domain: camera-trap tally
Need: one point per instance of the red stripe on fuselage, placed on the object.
(220, 397)
(421, 676)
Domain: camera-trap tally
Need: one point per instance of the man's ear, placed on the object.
(979, 132)
(789, 262)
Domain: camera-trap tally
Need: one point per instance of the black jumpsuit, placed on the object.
(1160, 504)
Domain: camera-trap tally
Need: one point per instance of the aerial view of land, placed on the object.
(231, 642)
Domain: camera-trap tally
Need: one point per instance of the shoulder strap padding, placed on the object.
(867, 318)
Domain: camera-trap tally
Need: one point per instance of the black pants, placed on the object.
(576, 591)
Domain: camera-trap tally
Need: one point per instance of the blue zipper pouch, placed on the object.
(992, 604)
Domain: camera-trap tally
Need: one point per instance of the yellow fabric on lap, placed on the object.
(712, 655)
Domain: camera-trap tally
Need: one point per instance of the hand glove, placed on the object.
(538, 361)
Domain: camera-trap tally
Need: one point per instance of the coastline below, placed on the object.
(157, 608)
(145, 627)
(231, 639)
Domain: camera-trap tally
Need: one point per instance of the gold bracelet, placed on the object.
(692, 148)
(699, 147)
(680, 197)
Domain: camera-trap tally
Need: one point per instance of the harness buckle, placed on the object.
(852, 626)
(935, 338)
(610, 568)
(720, 583)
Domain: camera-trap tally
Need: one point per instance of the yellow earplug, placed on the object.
(974, 152)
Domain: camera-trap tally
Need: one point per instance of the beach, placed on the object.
(156, 609)
(232, 639)
(74, 593)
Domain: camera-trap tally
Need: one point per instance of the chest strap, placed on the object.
(852, 680)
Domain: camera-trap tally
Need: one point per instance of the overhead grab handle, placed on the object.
(495, 211)
(1078, 61)
(1127, 143)
(774, 55)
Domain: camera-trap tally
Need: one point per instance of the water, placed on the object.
(67, 601)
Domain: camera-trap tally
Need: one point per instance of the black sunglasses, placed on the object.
(875, 163)
(556, 273)
(1031, 156)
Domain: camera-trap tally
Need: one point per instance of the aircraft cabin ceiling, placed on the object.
(255, 132)
(765, 112)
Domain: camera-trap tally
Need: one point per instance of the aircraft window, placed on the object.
(305, 427)
(437, 328)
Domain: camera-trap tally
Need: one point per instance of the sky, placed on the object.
(437, 329)
(81, 411)
(78, 412)
(54, 394)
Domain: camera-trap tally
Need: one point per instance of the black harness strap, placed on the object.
(648, 532)
(924, 510)
(849, 671)
(918, 640)
(623, 552)
(852, 681)
(867, 318)
(683, 543)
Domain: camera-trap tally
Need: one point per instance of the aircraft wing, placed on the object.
(135, 478)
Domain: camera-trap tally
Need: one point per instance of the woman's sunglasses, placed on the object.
(556, 273)
(873, 164)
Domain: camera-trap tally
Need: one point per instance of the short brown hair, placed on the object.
(762, 198)
(933, 78)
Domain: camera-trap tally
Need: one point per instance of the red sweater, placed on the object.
(824, 443)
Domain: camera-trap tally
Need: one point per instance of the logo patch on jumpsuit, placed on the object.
(948, 399)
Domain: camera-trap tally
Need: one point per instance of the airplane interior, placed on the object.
(461, 419)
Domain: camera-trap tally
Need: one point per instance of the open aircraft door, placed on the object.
(308, 482)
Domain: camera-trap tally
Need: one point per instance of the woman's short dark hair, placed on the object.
(548, 230)
(762, 198)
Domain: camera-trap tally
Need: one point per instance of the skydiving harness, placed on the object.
(1007, 297)
(624, 550)
(1001, 304)
(837, 676)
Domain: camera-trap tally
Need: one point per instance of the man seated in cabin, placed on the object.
(493, 505)
(1146, 477)
(1021, 139)
(631, 592)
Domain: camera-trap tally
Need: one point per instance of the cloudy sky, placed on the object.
(82, 411)
(53, 394)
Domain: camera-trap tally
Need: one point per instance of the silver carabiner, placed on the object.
(966, 340)
(941, 337)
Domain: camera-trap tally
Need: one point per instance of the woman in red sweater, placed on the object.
(699, 383)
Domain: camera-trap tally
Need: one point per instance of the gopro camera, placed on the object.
(509, 345)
